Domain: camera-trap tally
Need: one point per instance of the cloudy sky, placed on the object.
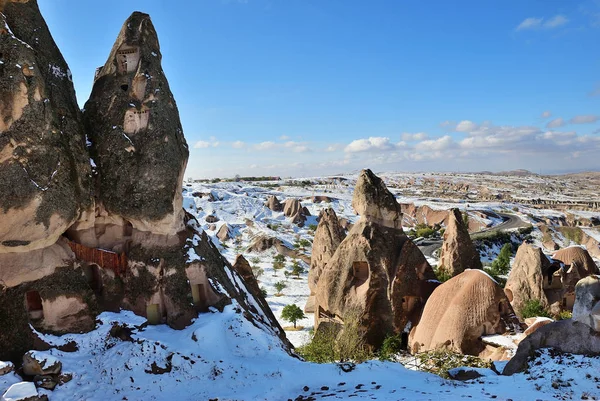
(309, 87)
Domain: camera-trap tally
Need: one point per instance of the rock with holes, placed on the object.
(458, 252)
(44, 167)
(136, 137)
(376, 275)
(460, 311)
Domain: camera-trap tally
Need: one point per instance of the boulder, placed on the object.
(374, 202)
(211, 219)
(579, 257)
(263, 242)
(44, 167)
(587, 302)
(460, 311)
(294, 209)
(526, 279)
(274, 204)
(376, 274)
(223, 234)
(328, 236)
(6, 368)
(23, 391)
(136, 136)
(40, 364)
(458, 252)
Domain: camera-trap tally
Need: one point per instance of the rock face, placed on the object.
(579, 335)
(328, 236)
(294, 209)
(579, 258)
(133, 124)
(376, 273)
(274, 204)
(458, 252)
(136, 249)
(460, 311)
(587, 302)
(44, 168)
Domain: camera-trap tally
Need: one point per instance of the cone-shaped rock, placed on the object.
(44, 167)
(460, 311)
(458, 252)
(328, 236)
(579, 257)
(376, 274)
(137, 139)
(274, 204)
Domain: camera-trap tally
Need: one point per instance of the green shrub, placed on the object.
(257, 271)
(442, 274)
(564, 315)
(390, 347)
(279, 286)
(534, 308)
(263, 290)
(439, 362)
(297, 268)
(573, 234)
(312, 227)
(292, 313)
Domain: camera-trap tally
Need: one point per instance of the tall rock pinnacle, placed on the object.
(458, 252)
(137, 139)
(44, 168)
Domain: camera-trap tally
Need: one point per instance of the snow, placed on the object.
(44, 359)
(4, 365)
(20, 391)
(485, 273)
(507, 342)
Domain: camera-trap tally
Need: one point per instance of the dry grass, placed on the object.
(292, 328)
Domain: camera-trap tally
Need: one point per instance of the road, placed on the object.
(511, 221)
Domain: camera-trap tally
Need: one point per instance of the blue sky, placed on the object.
(309, 87)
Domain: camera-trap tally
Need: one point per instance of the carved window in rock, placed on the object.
(136, 121)
(360, 271)
(94, 278)
(128, 59)
(33, 301)
(153, 314)
(127, 229)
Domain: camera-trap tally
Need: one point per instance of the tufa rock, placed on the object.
(578, 257)
(587, 302)
(37, 364)
(376, 274)
(294, 209)
(223, 234)
(274, 204)
(137, 140)
(458, 252)
(460, 311)
(44, 167)
(328, 236)
(374, 202)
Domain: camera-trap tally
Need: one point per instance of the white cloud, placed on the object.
(334, 148)
(466, 126)
(584, 119)
(238, 145)
(201, 145)
(284, 137)
(537, 23)
(215, 144)
(447, 124)
(530, 23)
(437, 144)
(267, 145)
(546, 114)
(557, 122)
(376, 143)
(419, 136)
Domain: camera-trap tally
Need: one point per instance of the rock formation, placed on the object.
(294, 209)
(460, 311)
(578, 258)
(224, 234)
(274, 204)
(458, 252)
(376, 274)
(136, 248)
(263, 242)
(44, 168)
(579, 335)
(328, 236)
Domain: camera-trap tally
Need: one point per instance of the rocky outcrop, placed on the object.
(44, 168)
(263, 242)
(224, 233)
(458, 252)
(460, 311)
(579, 335)
(133, 125)
(376, 274)
(530, 274)
(579, 258)
(587, 302)
(294, 209)
(328, 236)
(274, 204)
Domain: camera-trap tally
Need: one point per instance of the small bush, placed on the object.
(390, 347)
(255, 260)
(501, 265)
(439, 362)
(257, 271)
(534, 308)
(292, 313)
(263, 290)
(564, 315)
(279, 286)
(312, 227)
(442, 274)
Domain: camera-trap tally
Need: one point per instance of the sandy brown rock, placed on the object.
(460, 311)
(294, 209)
(263, 242)
(376, 273)
(328, 236)
(587, 302)
(34, 365)
(579, 257)
(274, 204)
(137, 140)
(223, 234)
(458, 252)
(44, 167)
